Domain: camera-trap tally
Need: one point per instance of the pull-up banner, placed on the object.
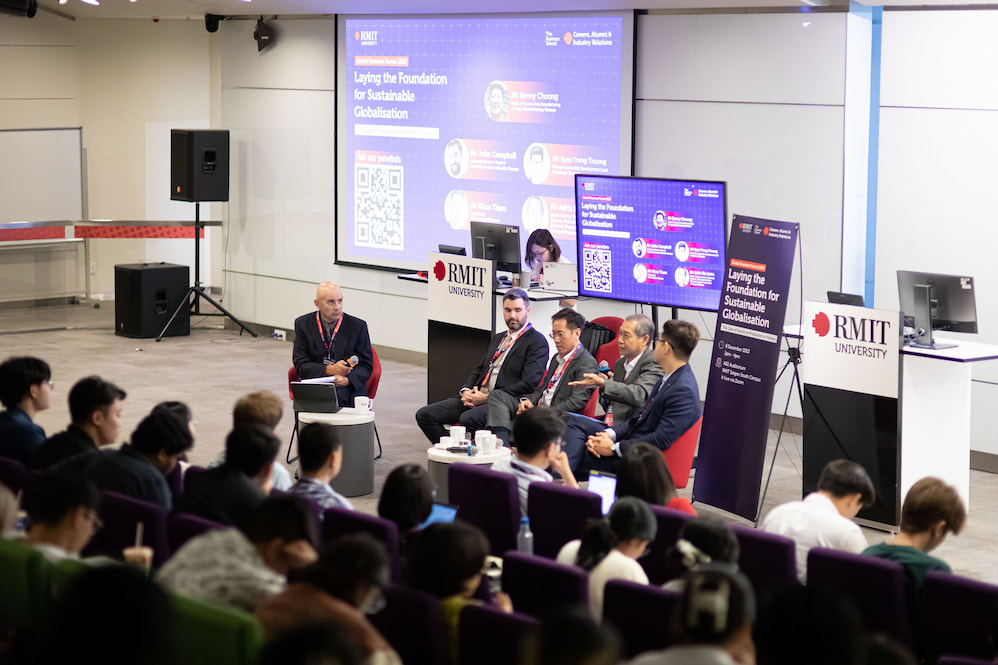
(744, 363)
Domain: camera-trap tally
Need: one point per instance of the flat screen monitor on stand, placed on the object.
(498, 242)
(936, 302)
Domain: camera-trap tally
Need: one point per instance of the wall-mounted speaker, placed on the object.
(199, 166)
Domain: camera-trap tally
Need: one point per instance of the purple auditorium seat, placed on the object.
(956, 616)
(641, 614)
(559, 514)
(339, 521)
(537, 585)
(13, 474)
(768, 560)
(489, 636)
(175, 481)
(489, 500)
(669, 523)
(876, 586)
(181, 527)
(192, 472)
(412, 622)
(121, 515)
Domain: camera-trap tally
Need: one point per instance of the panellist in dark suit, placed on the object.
(513, 364)
(555, 388)
(672, 408)
(326, 339)
(627, 391)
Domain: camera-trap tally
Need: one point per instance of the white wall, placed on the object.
(938, 140)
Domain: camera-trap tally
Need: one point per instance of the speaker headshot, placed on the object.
(457, 210)
(682, 277)
(682, 251)
(455, 158)
(534, 214)
(497, 100)
(536, 163)
(660, 223)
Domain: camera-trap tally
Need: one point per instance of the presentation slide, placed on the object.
(444, 121)
(652, 241)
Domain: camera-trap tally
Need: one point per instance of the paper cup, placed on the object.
(140, 557)
(488, 444)
(525, 279)
(446, 441)
(457, 434)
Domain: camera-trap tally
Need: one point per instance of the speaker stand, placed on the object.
(197, 290)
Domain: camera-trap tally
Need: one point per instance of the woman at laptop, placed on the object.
(642, 473)
(543, 248)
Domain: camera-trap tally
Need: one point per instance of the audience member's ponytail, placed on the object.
(630, 518)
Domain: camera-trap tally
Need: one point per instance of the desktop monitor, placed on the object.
(498, 242)
(936, 302)
(839, 298)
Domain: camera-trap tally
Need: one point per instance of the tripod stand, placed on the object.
(793, 358)
(197, 290)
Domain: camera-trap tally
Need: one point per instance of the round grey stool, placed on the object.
(355, 430)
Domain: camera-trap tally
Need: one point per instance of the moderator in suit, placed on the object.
(503, 405)
(519, 370)
(352, 339)
(629, 395)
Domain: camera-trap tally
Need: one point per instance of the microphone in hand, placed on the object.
(353, 361)
(604, 367)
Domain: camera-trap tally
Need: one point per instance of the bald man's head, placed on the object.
(329, 301)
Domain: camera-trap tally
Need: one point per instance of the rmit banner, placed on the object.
(851, 348)
(744, 364)
(460, 290)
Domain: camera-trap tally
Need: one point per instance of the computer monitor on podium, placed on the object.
(936, 302)
(496, 241)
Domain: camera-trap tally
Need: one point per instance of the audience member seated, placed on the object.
(642, 472)
(138, 469)
(407, 497)
(311, 643)
(571, 637)
(114, 615)
(342, 587)
(673, 407)
(446, 560)
(701, 541)
(95, 410)
(512, 365)
(62, 514)
(799, 624)
(260, 408)
(931, 510)
(569, 364)
(610, 547)
(321, 458)
(246, 565)
(880, 649)
(537, 433)
(228, 493)
(824, 517)
(715, 622)
(25, 389)
(635, 373)
(326, 339)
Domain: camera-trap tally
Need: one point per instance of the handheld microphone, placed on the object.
(353, 360)
(604, 367)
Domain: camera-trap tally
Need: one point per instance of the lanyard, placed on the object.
(561, 368)
(506, 344)
(322, 335)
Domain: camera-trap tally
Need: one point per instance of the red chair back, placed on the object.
(611, 322)
(679, 456)
(609, 352)
(292, 377)
(372, 383)
(590, 408)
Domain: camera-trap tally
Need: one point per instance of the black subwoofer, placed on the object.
(145, 296)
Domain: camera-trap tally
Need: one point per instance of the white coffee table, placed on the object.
(438, 461)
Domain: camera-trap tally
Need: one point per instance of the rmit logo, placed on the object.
(369, 35)
(452, 272)
(872, 331)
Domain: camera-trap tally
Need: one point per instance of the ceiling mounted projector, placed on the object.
(264, 35)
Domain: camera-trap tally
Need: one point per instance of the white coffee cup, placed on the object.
(457, 434)
(480, 435)
(446, 441)
(488, 444)
(525, 279)
(362, 403)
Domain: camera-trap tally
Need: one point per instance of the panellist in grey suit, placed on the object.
(627, 391)
(555, 389)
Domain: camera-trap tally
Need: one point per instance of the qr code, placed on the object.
(596, 269)
(378, 219)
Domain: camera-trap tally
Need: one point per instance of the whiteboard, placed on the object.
(41, 174)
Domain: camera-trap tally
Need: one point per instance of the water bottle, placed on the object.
(525, 538)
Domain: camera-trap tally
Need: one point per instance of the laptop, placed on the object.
(314, 397)
(561, 277)
(441, 512)
(605, 485)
